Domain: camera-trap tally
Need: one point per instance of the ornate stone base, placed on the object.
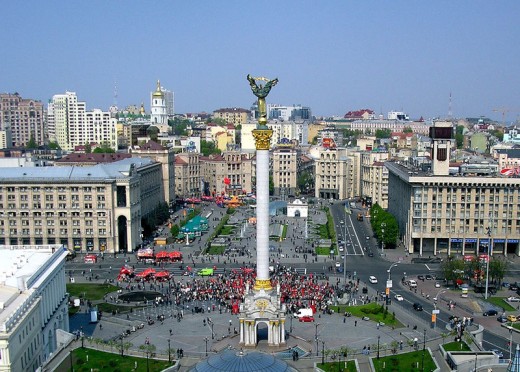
(262, 307)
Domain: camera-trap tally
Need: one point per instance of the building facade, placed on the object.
(25, 119)
(34, 305)
(233, 115)
(228, 174)
(187, 175)
(285, 171)
(374, 177)
(70, 125)
(94, 208)
(158, 109)
(331, 174)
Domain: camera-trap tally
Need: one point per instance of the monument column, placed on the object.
(263, 141)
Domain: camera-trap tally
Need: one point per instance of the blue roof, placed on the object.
(239, 361)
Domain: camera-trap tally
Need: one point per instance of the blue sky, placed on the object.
(333, 56)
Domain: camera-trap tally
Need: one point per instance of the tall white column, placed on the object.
(263, 142)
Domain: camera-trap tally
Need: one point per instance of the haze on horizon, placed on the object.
(333, 56)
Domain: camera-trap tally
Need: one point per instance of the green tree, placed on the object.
(31, 144)
(179, 126)
(384, 226)
(54, 146)
(314, 140)
(305, 180)
(218, 121)
(498, 134)
(459, 136)
(103, 149)
(383, 133)
(152, 132)
(452, 269)
(497, 269)
(88, 148)
(207, 148)
(175, 230)
(407, 130)
(271, 185)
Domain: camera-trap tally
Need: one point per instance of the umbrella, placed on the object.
(162, 274)
(149, 271)
(162, 254)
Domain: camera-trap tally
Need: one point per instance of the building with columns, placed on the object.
(187, 175)
(34, 305)
(285, 170)
(96, 208)
(440, 212)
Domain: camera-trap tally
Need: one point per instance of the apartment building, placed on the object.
(284, 161)
(34, 304)
(331, 170)
(187, 175)
(233, 115)
(70, 124)
(97, 208)
(374, 177)
(294, 131)
(25, 119)
(228, 174)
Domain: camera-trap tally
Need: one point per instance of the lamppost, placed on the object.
(383, 225)
(423, 349)
(316, 337)
(388, 283)
(378, 337)
(169, 352)
(490, 251)
(322, 352)
(210, 323)
(290, 329)
(121, 339)
(206, 340)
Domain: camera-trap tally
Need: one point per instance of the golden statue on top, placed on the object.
(261, 91)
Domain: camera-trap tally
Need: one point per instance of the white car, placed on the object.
(372, 279)
(437, 285)
(513, 299)
(338, 264)
(398, 297)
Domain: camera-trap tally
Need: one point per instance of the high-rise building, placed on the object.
(70, 125)
(24, 117)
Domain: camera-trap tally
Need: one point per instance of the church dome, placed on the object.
(241, 361)
(158, 93)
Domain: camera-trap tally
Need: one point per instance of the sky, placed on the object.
(333, 56)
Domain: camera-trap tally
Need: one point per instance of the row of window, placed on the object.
(74, 205)
(53, 223)
(98, 189)
(463, 230)
(51, 232)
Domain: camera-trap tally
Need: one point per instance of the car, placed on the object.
(511, 318)
(498, 353)
(513, 286)
(368, 237)
(513, 299)
(417, 307)
(341, 249)
(502, 319)
(338, 264)
(412, 283)
(372, 279)
(398, 297)
(420, 277)
(205, 272)
(306, 319)
(429, 277)
(342, 222)
(437, 285)
(490, 312)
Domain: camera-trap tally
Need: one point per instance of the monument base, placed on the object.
(262, 307)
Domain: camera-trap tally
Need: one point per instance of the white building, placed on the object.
(291, 130)
(286, 113)
(161, 104)
(33, 305)
(70, 125)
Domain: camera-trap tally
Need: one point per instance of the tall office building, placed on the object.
(23, 118)
(70, 125)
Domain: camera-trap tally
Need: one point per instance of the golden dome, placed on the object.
(158, 92)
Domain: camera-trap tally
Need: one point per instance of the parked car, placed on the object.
(417, 307)
(372, 279)
(398, 297)
(511, 318)
(437, 285)
(420, 277)
(490, 312)
(338, 264)
(513, 299)
(306, 319)
(513, 286)
(502, 319)
(429, 277)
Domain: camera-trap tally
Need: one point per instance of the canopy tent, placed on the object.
(162, 274)
(162, 255)
(175, 255)
(145, 252)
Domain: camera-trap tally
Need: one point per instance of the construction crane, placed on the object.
(504, 111)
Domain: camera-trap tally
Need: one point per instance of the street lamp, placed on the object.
(383, 225)
(490, 251)
(169, 352)
(390, 268)
(436, 298)
(388, 283)
(316, 337)
(322, 352)
(206, 340)
(423, 349)
(378, 337)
